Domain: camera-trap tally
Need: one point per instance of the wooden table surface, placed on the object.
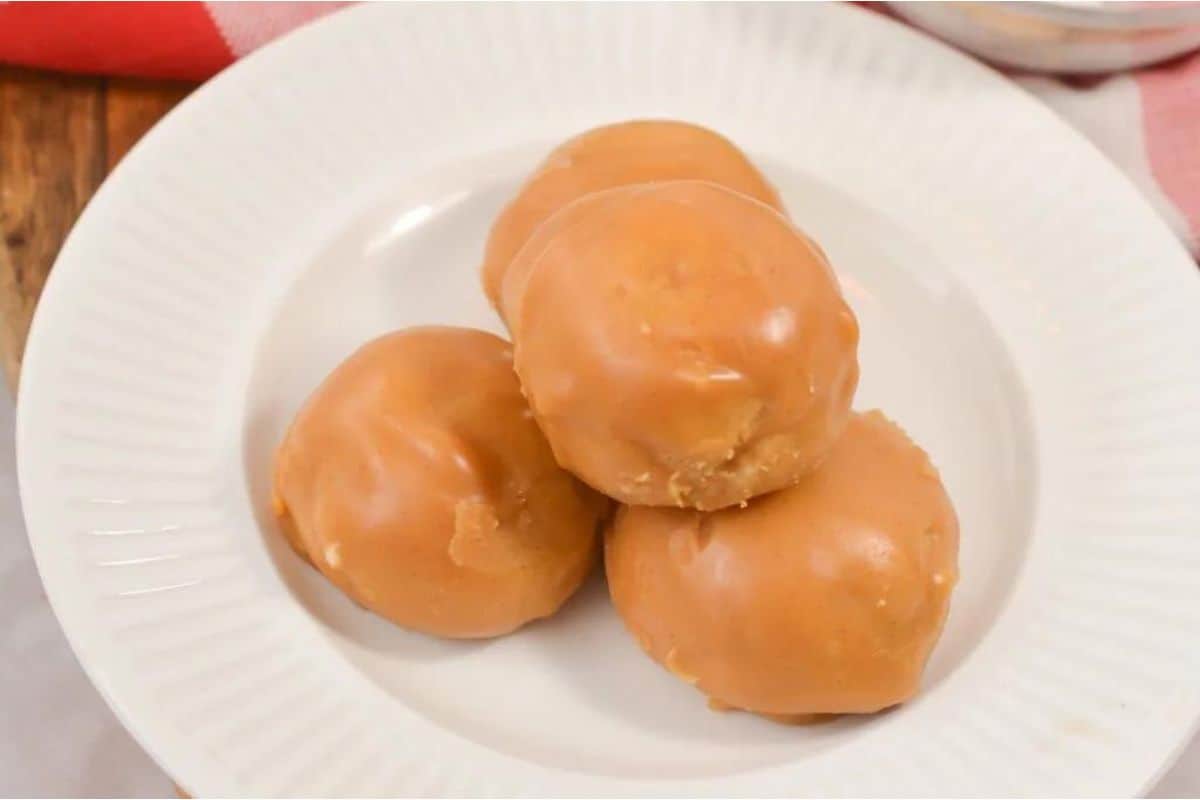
(60, 135)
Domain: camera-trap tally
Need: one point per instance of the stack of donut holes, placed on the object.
(676, 395)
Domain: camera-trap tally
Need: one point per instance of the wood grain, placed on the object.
(59, 136)
(51, 146)
(132, 107)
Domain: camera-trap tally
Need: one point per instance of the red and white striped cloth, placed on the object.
(187, 40)
(1147, 121)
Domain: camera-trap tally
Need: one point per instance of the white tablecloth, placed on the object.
(57, 737)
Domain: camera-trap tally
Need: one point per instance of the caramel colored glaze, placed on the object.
(823, 598)
(640, 151)
(681, 344)
(416, 480)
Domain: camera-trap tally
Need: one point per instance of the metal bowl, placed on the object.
(1078, 37)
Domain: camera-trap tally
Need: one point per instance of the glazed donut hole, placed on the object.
(681, 344)
(415, 480)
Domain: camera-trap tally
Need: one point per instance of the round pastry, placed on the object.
(681, 344)
(823, 598)
(416, 480)
(640, 151)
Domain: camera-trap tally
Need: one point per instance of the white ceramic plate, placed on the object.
(1024, 315)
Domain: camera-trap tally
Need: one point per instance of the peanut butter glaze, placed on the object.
(826, 597)
(640, 151)
(681, 344)
(416, 480)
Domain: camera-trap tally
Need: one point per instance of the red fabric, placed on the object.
(1171, 116)
(162, 40)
